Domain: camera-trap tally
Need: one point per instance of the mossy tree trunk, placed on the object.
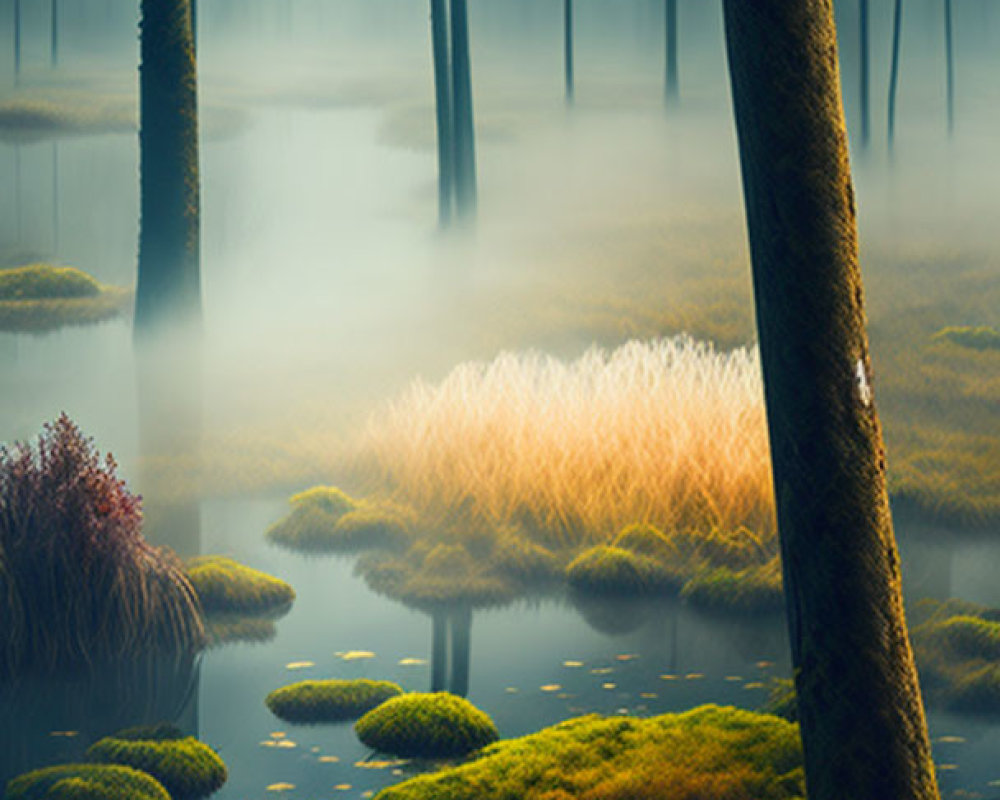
(169, 280)
(672, 85)
(865, 53)
(897, 24)
(442, 95)
(862, 720)
(466, 193)
(568, 49)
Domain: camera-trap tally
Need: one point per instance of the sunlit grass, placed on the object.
(669, 432)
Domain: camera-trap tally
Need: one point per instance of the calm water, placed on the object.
(322, 269)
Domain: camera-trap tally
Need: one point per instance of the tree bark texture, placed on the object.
(863, 726)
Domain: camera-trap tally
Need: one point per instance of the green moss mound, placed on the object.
(616, 571)
(436, 725)
(328, 499)
(225, 586)
(709, 752)
(41, 297)
(329, 700)
(976, 338)
(86, 782)
(751, 590)
(646, 540)
(525, 561)
(187, 768)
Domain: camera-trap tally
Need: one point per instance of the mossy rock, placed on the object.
(187, 768)
(707, 752)
(976, 338)
(616, 571)
(86, 782)
(225, 586)
(329, 700)
(647, 540)
(438, 725)
(753, 590)
(37, 298)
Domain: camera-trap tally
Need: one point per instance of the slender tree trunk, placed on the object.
(950, 66)
(55, 198)
(672, 80)
(466, 198)
(865, 73)
(54, 34)
(169, 282)
(568, 48)
(461, 650)
(862, 721)
(17, 42)
(194, 25)
(439, 651)
(897, 22)
(18, 211)
(442, 94)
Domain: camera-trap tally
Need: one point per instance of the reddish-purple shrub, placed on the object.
(78, 582)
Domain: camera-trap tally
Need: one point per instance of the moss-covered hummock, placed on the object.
(225, 586)
(617, 571)
(187, 768)
(86, 782)
(329, 700)
(37, 298)
(438, 725)
(707, 752)
(977, 338)
(750, 590)
(325, 519)
(525, 561)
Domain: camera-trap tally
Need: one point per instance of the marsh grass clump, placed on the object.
(329, 499)
(977, 338)
(522, 560)
(78, 582)
(36, 298)
(667, 431)
(438, 725)
(957, 646)
(723, 753)
(225, 586)
(329, 700)
(187, 768)
(749, 590)
(86, 782)
(616, 571)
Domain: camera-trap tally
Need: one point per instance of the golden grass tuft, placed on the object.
(668, 432)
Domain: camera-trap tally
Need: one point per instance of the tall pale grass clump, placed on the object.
(668, 432)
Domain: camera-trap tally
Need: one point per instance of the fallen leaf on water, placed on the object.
(285, 744)
(281, 787)
(343, 787)
(764, 664)
(412, 662)
(572, 663)
(64, 734)
(754, 685)
(945, 767)
(355, 655)
(694, 676)
(551, 687)
(329, 759)
(511, 690)
(668, 677)
(951, 739)
(602, 671)
(648, 695)
(278, 734)
(397, 772)
(626, 657)
(369, 793)
(609, 685)
(376, 764)
(300, 664)
(734, 678)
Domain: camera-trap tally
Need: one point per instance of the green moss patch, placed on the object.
(957, 646)
(614, 570)
(37, 298)
(86, 782)
(750, 590)
(525, 561)
(187, 768)
(329, 700)
(225, 586)
(977, 338)
(438, 725)
(707, 752)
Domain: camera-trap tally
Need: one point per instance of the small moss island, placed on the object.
(225, 586)
(318, 701)
(86, 782)
(437, 725)
(187, 768)
(40, 298)
(710, 751)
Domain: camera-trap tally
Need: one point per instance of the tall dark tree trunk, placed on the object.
(865, 49)
(862, 721)
(442, 94)
(950, 66)
(169, 282)
(568, 48)
(194, 25)
(466, 199)
(461, 650)
(439, 651)
(17, 41)
(54, 34)
(897, 23)
(672, 86)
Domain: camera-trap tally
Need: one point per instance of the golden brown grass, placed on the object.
(669, 432)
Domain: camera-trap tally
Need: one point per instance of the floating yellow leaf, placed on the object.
(64, 734)
(668, 677)
(951, 739)
(511, 690)
(355, 655)
(285, 744)
(300, 664)
(269, 743)
(343, 787)
(564, 695)
(397, 772)
(572, 663)
(626, 657)
(754, 685)
(376, 764)
(945, 767)
(551, 687)
(648, 695)
(281, 787)
(764, 664)
(602, 671)
(694, 676)
(329, 759)
(367, 794)
(278, 734)
(734, 678)
(412, 662)
(609, 685)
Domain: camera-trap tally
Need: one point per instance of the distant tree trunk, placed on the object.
(672, 80)
(169, 282)
(55, 198)
(18, 215)
(461, 650)
(950, 65)
(865, 74)
(897, 21)
(54, 31)
(568, 48)
(194, 25)
(439, 651)
(862, 721)
(442, 94)
(466, 198)
(17, 42)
